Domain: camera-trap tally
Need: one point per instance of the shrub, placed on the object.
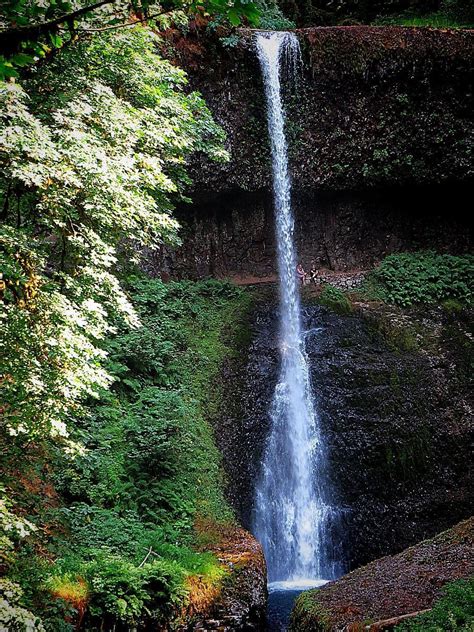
(454, 611)
(422, 277)
(123, 592)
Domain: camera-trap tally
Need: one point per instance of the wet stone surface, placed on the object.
(393, 398)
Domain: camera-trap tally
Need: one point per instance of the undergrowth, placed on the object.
(437, 19)
(113, 538)
(412, 278)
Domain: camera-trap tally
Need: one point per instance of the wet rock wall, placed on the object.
(391, 389)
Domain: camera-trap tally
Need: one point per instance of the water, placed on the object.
(281, 598)
(291, 510)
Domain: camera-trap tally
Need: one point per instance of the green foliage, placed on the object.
(151, 437)
(124, 592)
(335, 299)
(146, 467)
(453, 611)
(13, 528)
(92, 155)
(422, 277)
(108, 382)
(32, 30)
(271, 16)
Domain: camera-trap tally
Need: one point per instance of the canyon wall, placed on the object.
(380, 132)
(391, 388)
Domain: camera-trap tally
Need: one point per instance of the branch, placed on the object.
(385, 624)
(145, 558)
(12, 37)
(121, 26)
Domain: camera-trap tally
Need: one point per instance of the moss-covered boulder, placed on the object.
(239, 601)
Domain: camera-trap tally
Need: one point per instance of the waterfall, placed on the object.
(290, 512)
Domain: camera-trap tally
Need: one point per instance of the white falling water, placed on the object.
(290, 514)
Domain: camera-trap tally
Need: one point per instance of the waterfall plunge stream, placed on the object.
(290, 512)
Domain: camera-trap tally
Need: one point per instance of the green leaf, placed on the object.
(56, 40)
(6, 69)
(22, 60)
(234, 17)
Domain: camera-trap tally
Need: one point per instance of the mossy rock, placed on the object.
(334, 299)
(308, 615)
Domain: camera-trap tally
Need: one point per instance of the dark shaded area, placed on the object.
(280, 605)
(243, 426)
(327, 12)
(232, 234)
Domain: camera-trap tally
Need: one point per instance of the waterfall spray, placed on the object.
(290, 514)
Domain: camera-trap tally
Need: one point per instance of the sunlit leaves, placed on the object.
(33, 27)
(93, 155)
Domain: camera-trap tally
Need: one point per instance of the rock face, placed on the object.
(241, 603)
(390, 587)
(244, 424)
(233, 234)
(393, 396)
(392, 393)
(379, 131)
(374, 106)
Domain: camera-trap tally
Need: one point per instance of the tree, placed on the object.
(32, 28)
(91, 162)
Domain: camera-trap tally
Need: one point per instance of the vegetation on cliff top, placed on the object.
(437, 13)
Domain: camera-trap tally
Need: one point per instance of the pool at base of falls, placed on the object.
(281, 597)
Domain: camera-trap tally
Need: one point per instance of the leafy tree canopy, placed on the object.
(30, 29)
(91, 163)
